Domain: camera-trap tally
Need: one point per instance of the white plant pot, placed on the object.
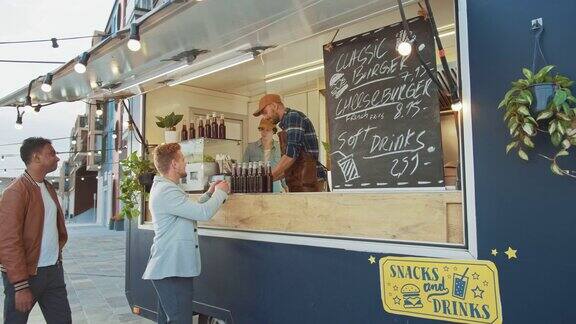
(170, 137)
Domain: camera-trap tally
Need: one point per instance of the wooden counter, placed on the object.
(427, 217)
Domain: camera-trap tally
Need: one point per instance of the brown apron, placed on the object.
(302, 175)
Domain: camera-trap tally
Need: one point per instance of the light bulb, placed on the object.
(404, 48)
(73, 142)
(46, 87)
(80, 68)
(99, 112)
(457, 106)
(114, 136)
(134, 45)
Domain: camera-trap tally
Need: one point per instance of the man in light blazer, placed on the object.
(175, 254)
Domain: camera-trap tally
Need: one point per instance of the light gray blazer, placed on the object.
(175, 251)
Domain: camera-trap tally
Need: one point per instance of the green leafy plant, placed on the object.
(169, 122)
(130, 188)
(558, 120)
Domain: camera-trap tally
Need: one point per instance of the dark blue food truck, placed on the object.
(445, 126)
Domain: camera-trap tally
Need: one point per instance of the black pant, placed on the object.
(48, 289)
(175, 300)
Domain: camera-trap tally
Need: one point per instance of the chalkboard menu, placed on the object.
(383, 111)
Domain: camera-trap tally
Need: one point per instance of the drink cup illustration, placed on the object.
(460, 285)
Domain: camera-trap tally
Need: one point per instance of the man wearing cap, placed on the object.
(298, 144)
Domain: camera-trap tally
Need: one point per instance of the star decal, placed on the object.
(511, 253)
(395, 288)
(455, 268)
(446, 268)
(475, 276)
(478, 292)
(494, 252)
(485, 283)
(372, 259)
(396, 300)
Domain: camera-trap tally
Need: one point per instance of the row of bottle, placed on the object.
(252, 177)
(212, 128)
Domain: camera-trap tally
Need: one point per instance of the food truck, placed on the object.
(425, 217)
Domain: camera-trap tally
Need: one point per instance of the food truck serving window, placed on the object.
(387, 125)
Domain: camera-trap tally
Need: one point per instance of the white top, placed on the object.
(49, 248)
(267, 155)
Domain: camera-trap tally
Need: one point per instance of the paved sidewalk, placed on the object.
(94, 264)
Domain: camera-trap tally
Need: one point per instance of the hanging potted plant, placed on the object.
(525, 121)
(169, 123)
(134, 169)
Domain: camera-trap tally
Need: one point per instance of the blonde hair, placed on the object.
(164, 155)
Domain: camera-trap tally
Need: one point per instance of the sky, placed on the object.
(42, 19)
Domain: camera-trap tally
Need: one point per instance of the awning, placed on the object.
(185, 39)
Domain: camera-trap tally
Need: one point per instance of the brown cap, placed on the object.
(265, 101)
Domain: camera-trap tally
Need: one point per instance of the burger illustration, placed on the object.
(411, 295)
(338, 85)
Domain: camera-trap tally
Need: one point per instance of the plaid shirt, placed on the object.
(300, 135)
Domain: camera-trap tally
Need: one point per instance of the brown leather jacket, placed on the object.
(21, 227)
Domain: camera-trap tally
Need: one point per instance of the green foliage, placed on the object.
(558, 119)
(130, 188)
(169, 122)
(326, 146)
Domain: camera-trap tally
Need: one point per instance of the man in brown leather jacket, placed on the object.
(32, 235)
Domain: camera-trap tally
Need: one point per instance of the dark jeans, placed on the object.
(175, 300)
(49, 291)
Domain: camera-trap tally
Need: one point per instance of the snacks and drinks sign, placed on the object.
(448, 290)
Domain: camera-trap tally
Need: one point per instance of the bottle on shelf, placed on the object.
(184, 133)
(201, 130)
(222, 128)
(250, 178)
(214, 125)
(270, 178)
(192, 131)
(234, 179)
(242, 178)
(207, 127)
(258, 178)
(264, 179)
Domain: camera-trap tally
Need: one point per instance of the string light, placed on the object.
(37, 108)
(134, 41)
(99, 111)
(80, 66)
(456, 106)
(18, 125)
(47, 84)
(404, 48)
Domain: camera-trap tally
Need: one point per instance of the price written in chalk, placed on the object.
(383, 111)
